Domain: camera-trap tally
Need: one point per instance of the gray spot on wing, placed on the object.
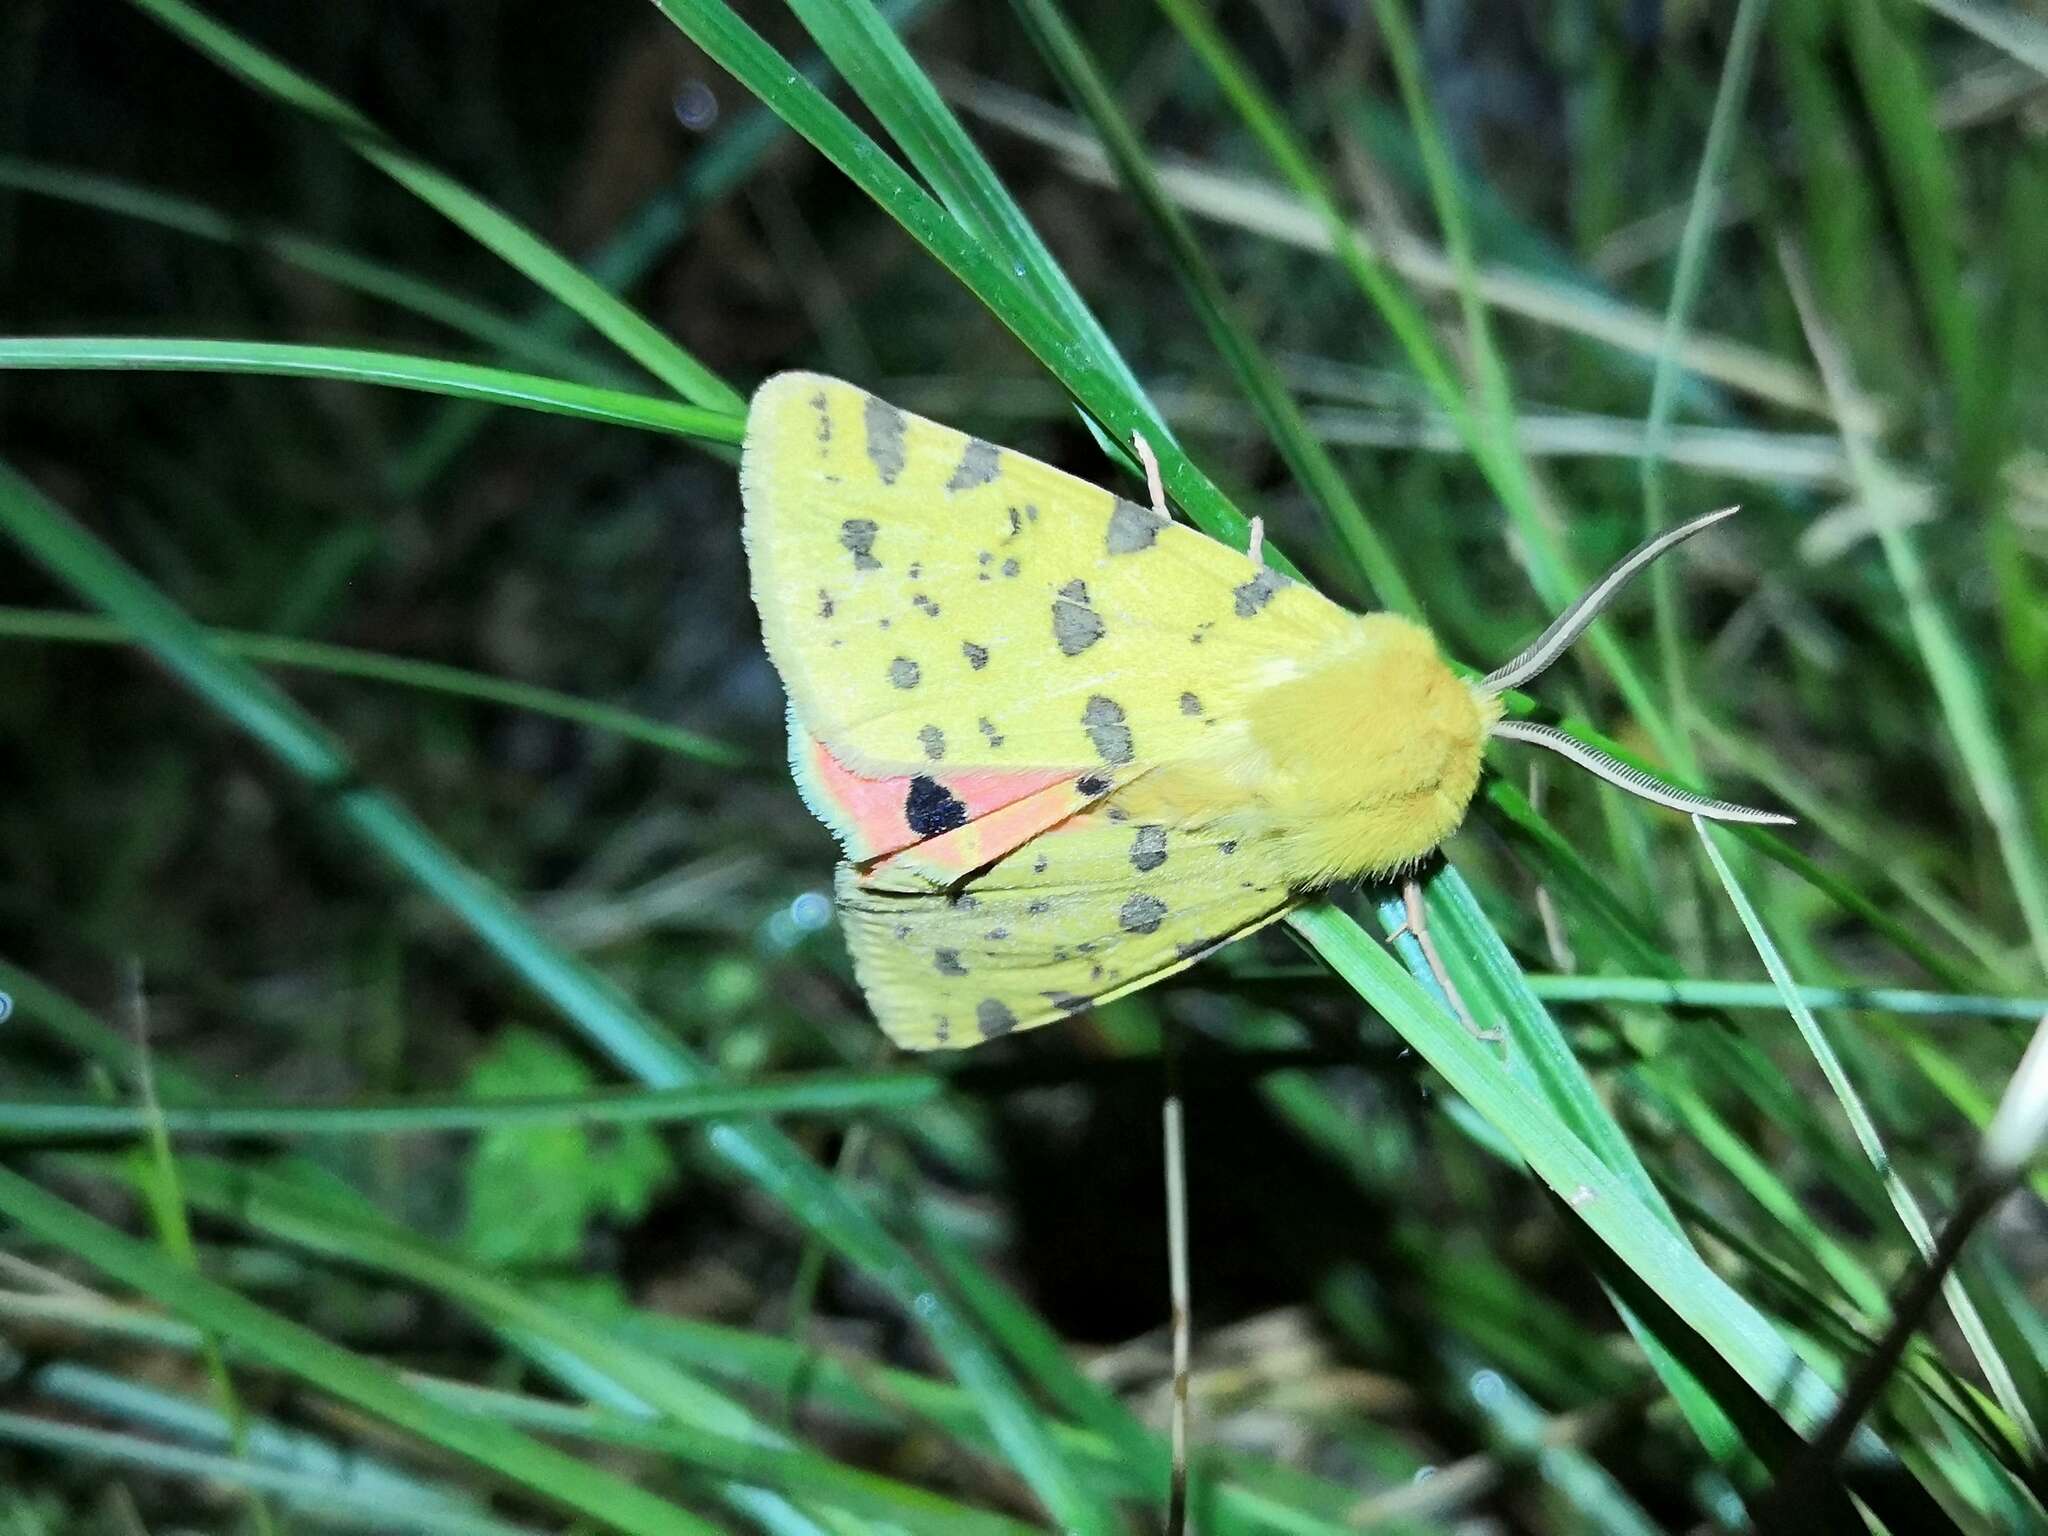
(994, 1018)
(977, 655)
(948, 962)
(1066, 1002)
(1190, 705)
(1131, 527)
(933, 740)
(903, 672)
(885, 438)
(1075, 625)
(1257, 592)
(1103, 719)
(1148, 850)
(981, 463)
(1141, 914)
(857, 534)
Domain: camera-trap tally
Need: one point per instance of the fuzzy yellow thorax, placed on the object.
(1368, 754)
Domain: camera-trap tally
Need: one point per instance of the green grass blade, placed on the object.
(609, 1501)
(1499, 445)
(1715, 156)
(1089, 377)
(872, 58)
(2005, 28)
(489, 225)
(829, 1094)
(430, 375)
(319, 1499)
(377, 280)
(400, 671)
(1968, 1319)
(584, 998)
(1304, 452)
(1949, 667)
(1603, 1197)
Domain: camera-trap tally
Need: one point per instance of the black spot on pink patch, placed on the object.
(930, 808)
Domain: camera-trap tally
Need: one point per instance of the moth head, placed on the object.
(1553, 643)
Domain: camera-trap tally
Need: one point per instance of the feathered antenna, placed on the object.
(1554, 641)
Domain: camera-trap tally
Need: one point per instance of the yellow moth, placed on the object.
(1070, 746)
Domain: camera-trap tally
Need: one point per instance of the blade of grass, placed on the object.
(373, 279)
(824, 1093)
(401, 671)
(2011, 31)
(431, 375)
(1498, 444)
(1948, 665)
(327, 1499)
(868, 53)
(703, 1425)
(1087, 375)
(723, 164)
(1602, 1196)
(1237, 201)
(582, 997)
(489, 225)
(1715, 157)
(1997, 1370)
(1305, 454)
(598, 1496)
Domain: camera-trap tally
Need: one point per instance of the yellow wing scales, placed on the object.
(1103, 904)
(931, 599)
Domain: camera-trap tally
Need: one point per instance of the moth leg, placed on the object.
(1154, 486)
(1416, 921)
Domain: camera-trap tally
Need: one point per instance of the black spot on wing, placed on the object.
(1075, 625)
(1141, 913)
(1148, 849)
(924, 605)
(981, 463)
(824, 604)
(1103, 719)
(857, 534)
(1091, 784)
(1066, 1002)
(930, 808)
(1257, 592)
(994, 1018)
(903, 672)
(947, 962)
(977, 655)
(885, 426)
(1131, 528)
